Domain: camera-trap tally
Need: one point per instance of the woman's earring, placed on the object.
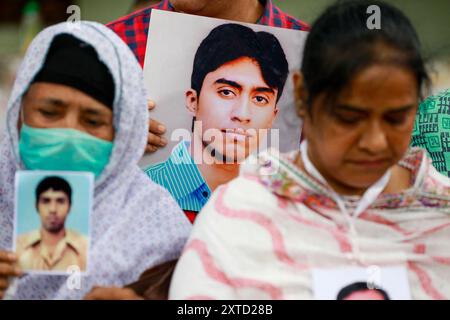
(299, 106)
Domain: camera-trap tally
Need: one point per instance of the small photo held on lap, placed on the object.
(52, 221)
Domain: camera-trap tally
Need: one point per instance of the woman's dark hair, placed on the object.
(340, 44)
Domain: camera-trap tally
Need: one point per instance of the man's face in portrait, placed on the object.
(236, 100)
(53, 207)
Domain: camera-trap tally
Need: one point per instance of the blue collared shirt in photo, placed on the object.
(181, 177)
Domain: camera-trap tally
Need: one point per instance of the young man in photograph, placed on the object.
(52, 247)
(237, 80)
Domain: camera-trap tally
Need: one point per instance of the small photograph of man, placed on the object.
(362, 283)
(54, 245)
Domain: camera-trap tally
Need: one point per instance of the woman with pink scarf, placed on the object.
(354, 196)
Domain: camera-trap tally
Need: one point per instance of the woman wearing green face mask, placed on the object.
(78, 104)
(67, 111)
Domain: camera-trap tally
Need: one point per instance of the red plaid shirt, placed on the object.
(133, 29)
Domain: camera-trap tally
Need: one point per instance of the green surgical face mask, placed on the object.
(63, 149)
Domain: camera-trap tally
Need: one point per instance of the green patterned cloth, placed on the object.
(432, 130)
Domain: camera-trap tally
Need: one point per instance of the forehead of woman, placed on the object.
(380, 88)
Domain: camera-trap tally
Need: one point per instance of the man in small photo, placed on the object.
(237, 80)
(53, 247)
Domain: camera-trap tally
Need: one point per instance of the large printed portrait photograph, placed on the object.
(52, 221)
(222, 88)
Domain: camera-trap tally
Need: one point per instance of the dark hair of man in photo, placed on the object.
(357, 287)
(55, 184)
